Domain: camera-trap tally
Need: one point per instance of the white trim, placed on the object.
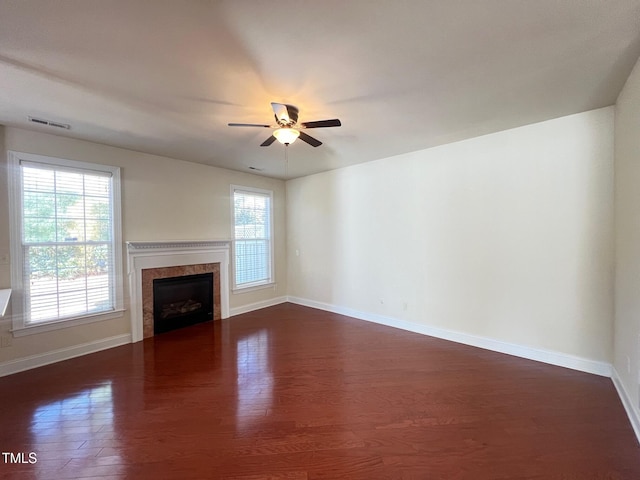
(143, 255)
(19, 324)
(33, 329)
(257, 305)
(42, 359)
(632, 412)
(540, 355)
(254, 287)
(272, 269)
(179, 245)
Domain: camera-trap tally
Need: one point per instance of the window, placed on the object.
(65, 245)
(252, 238)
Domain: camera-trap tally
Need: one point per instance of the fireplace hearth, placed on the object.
(182, 301)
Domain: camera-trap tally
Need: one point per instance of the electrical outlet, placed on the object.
(4, 258)
(5, 341)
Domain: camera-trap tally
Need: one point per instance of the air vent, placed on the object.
(49, 123)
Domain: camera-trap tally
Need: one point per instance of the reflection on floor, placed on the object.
(255, 379)
(87, 412)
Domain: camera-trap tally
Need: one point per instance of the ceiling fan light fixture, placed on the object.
(286, 136)
(287, 126)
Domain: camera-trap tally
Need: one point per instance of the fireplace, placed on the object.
(182, 301)
(151, 261)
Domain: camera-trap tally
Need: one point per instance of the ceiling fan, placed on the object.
(287, 128)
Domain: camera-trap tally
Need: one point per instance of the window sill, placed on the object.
(60, 324)
(253, 288)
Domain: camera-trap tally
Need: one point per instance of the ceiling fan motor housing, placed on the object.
(291, 117)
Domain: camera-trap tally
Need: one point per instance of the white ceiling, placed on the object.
(165, 77)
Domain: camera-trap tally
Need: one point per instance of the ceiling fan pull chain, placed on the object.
(286, 161)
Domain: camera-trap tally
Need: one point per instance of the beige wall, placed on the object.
(507, 236)
(627, 209)
(162, 199)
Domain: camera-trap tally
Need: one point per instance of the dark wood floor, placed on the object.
(294, 393)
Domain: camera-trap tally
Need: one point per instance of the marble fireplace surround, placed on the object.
(170, 259)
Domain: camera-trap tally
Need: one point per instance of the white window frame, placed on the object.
(20, 326)
(246, 287)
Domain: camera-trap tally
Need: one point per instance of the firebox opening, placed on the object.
(182, 301)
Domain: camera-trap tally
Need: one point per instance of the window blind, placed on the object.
(252, 237)
(67, 242)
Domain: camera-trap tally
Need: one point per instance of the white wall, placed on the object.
(507, 236)
(162, 199)
(627, 214)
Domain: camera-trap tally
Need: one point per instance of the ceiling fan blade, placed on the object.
(280, 111)
(249, 125)
(268, 141)
(285, 114)
(314, 142)
(322, 123)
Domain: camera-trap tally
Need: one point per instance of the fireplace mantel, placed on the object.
(173, 245)
(159, 254)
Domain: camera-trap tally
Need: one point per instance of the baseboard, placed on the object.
(257, 306)
(540, 355)
(42, 359)
(632, 412)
